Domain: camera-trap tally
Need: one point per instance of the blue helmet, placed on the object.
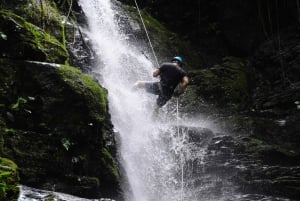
(179, 59)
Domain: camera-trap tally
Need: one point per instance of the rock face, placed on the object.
(220, 166)
(54, 119)
(60, 129)
(257, 167)
(23, 40)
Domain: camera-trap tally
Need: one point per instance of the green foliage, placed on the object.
(3, 188)
(9, 179)
(20, 102)
(10, 131)
(66, 143)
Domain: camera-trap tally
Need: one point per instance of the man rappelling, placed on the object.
(173, 81)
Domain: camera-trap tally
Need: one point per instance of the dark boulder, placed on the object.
(61, 130)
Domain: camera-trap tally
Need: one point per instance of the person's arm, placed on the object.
(185, 81)
(182, 86)
(156, 72)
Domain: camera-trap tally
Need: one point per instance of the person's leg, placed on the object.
(140, 84)
(150, 87)
(162, 100)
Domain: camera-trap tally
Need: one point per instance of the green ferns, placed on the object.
(9, 179)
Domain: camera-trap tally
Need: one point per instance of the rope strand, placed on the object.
(181, 154)
(146, 32)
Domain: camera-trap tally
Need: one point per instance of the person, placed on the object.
(173, 81)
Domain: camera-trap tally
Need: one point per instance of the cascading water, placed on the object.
(150, 166)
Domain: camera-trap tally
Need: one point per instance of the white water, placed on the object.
(149, 162)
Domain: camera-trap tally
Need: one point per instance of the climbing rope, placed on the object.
(146, 32)
(181, 154)
(69, 12)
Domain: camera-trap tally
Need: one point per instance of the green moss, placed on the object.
(45, 15)
(10, 131)
(50, 197)
(9, 179)
(95, 95)
(32, 38)
(225, 84)
(111, 163)
(20, 102)
(255, 142)
(153, 23)
(166, 44)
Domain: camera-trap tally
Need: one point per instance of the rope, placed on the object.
(181, 155)
(69, 12)
(146, 32)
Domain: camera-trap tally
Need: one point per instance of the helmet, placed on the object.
(179, 59)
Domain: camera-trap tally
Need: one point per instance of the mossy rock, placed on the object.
(58, 123)
(49, 15)
(166, 44)
(223, 85)
(9, 180)
(46, 16)
(96, 97)
(25, 41)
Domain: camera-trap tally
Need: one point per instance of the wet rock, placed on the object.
(223, 85)
(61, 127)
(247, 163)
(26, 41)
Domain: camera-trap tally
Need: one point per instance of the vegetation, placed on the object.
(9, 180)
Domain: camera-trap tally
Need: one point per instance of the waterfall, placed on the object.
(150, 166)
(164, 156)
